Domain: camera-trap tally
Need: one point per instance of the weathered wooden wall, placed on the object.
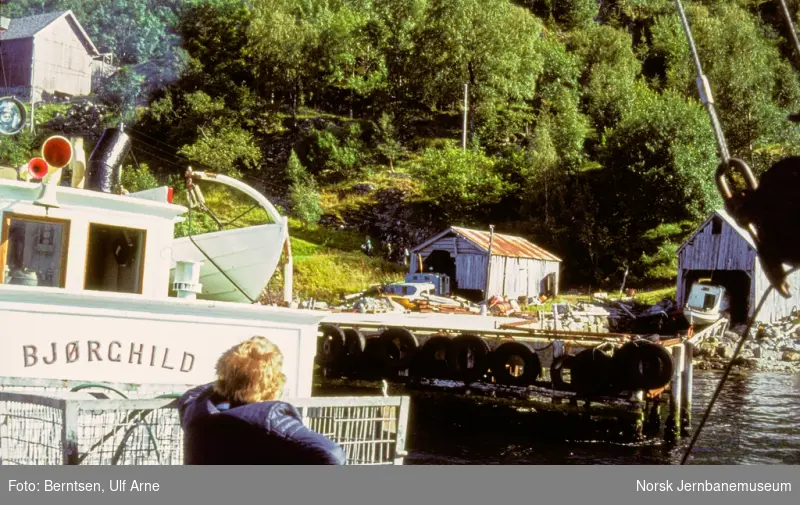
(471, 271)
(515, 277)
(776, 307)
(63, 63)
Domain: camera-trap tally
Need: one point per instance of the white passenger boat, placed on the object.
(86, 273)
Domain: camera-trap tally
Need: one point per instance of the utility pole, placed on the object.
(489, 265)
(466, 105)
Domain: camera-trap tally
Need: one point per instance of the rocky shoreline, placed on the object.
(769, 348)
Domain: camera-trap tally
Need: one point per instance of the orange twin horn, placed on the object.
(37, 167)
(57, 151)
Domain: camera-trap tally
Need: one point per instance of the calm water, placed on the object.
(756, 420)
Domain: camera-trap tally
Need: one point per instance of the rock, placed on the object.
(792, 356)
(724, 351)
(758, 352)
(363, 189)
(730, 336)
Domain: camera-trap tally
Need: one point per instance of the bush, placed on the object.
(139, 178)
(460, 182)
(336, 153)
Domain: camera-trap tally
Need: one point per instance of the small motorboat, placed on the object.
(706, 304)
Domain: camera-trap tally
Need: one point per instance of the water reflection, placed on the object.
(756, 421)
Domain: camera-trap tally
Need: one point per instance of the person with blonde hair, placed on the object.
(241, 420)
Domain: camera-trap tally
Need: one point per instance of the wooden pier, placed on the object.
(635, 414)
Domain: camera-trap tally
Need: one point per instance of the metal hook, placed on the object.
(743, 169)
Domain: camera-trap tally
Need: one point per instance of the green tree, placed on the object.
(491, 45)
(303, 192)
(752, 85)
(219, 142)
(462, 183)
(388, 145)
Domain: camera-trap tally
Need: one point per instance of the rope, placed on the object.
(191, 238)
(704, 89)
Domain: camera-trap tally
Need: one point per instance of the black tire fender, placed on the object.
(373, 362)
(624, 363)
(405, 341)
(642, 365)
(591, 372)
(329, 345)
(557, 372)
(531, 365)
(428, 363)
(655, 366)
(458, 355)
(354, 344)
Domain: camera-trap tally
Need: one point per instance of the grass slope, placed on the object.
(327, 263)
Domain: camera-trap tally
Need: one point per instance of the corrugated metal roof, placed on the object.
(505, 245)
(23, 28)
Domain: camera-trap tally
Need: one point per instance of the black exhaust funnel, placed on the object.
(105, 163)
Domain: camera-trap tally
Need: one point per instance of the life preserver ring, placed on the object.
(329, 345)
(354, 343)
(591, 372)
(467, 357)
(431, 361)
(407, 344)
(561, 363)
(499, 363)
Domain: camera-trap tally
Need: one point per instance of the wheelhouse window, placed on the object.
(33, 250)
(115, 259)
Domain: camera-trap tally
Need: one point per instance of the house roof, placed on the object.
(502, 245)
(29, 26)
(727, 218)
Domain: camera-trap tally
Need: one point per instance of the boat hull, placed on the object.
(701, 318)
(249, 256)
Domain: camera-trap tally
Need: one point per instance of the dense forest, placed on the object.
(584, 129)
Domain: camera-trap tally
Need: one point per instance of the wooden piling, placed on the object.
(640, 418)
(654, 418)
(673, 428)
(686, 393)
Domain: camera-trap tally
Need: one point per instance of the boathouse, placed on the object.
(518, 267)
(722, 251)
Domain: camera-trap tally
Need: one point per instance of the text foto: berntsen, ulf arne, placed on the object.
(112, 486)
